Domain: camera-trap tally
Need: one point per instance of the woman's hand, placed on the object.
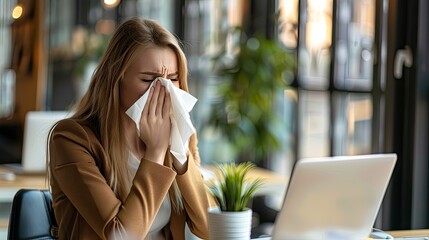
(155, 124)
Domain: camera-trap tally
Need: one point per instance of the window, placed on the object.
(206, 26)
(7, 76)
(337, 98)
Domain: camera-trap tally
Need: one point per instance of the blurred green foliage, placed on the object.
(248, 86)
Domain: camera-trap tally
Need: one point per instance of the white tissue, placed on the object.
(181, 125)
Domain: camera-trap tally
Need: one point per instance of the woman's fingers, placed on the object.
(155, 125)
(146, 108)
(154, 101)
(167, 106)
(160, 102)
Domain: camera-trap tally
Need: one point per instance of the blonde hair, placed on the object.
(101, 103)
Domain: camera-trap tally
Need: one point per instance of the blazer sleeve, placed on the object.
(196, 199)
(73, 166)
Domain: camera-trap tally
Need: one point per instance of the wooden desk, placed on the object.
(409, 233)
(8, 188)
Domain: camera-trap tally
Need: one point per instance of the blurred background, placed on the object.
(357, 81)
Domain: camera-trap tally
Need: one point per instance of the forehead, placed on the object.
(154, 58)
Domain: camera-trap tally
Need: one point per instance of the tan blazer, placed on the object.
(87, 208)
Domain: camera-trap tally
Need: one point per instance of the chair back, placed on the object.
(32, 216)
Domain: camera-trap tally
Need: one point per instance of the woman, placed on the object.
(109, 181)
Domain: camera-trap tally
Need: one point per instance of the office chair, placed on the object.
(32, 216)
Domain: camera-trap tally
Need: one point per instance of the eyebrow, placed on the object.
(159, 74)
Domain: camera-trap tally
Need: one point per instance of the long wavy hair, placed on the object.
(101, 103)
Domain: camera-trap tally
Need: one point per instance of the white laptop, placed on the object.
(334, 197)
(34, 148)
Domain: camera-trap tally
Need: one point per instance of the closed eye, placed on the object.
(148, 80)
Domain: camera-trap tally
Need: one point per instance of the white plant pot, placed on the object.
(229, 225)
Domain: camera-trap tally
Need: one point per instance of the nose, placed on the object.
(164, 72)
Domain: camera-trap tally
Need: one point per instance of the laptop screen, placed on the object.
(334, 197)
(36, 131)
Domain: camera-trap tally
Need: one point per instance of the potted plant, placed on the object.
(233, 189)
(251, 81)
